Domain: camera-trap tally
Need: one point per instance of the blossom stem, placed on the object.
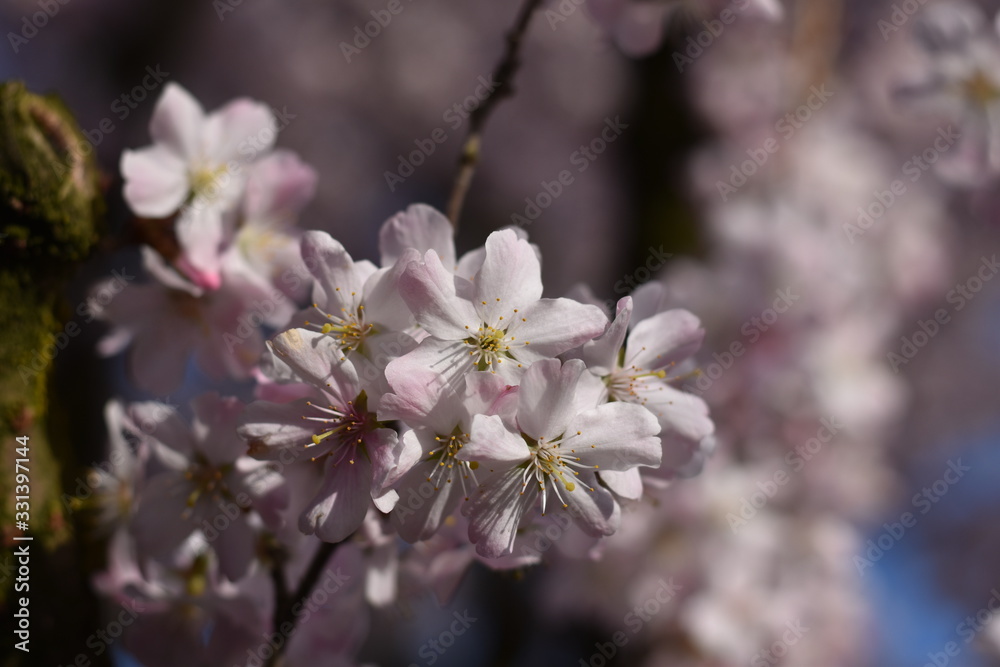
(503, 75)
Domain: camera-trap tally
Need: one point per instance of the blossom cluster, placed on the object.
(431, 398)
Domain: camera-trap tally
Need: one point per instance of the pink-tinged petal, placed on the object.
(594, 511)
(649, 299)
(311, 358)
(489, 394)
(510, 279)
(624, 483)
(550, 327)
(159, 355)
(419, 227)
(241, 131)
(200, 234)
(492, 445)
(679, 413)
(495, 513)
(162, 423)
(279, 186)
(264, 485)
(436, 366)
(615, 436)
(159, 525)
(384, 306)
(683, 458)
(177, 122)
(380, 445)
(581, 292)
(341, 503)
(156, 182)
(471, 262)
(546, 397)
(154, 263)
(428, 288)
(271, 428)
(422, 507)
(216, 418)
(601, 354)
(664, 339)
(335, 272)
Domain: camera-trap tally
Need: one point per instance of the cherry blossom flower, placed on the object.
(336, 426)
(165, 321)
(638, 362)
(499, 322)
(432, 481)
(960, 82)
(354, 303)
(204, 482)
(560, 443)
(197, 162)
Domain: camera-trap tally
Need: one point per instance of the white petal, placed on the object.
(614, 436)
(511, 278)
(241, 130)
(552, 326)
(156, 182)
(429, 291)
(177, 122)
(664, 339)
(546, 397)
(422, 228)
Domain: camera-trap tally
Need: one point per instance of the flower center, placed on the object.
(553, 461)
(447, 465)
(980, 89)
(206, 181)
(346, 425)
(207, 481)
(349, 328)
(489, 346)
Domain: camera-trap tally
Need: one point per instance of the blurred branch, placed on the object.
(284, 603)
(504, 76)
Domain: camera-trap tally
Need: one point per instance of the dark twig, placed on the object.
(504, 78)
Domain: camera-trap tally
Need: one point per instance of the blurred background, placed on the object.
(836, 235)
